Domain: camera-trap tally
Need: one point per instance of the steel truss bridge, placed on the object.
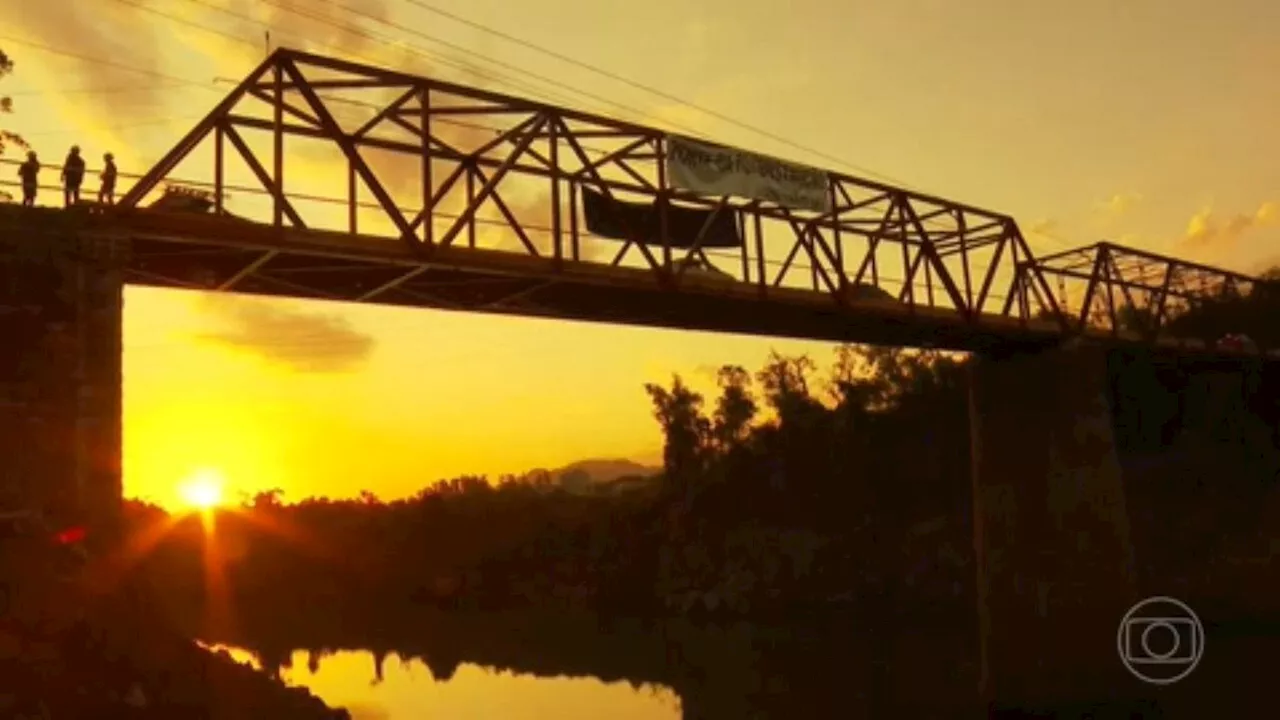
(459, 198)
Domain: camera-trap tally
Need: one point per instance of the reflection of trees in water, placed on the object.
(732, 671)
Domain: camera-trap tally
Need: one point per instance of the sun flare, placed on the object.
(203, 490)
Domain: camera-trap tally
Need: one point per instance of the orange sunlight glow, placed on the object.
(203, 490)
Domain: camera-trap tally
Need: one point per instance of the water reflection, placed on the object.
(527, 664)
(408, 689)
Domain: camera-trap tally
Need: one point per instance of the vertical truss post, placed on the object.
(664, 202)
(527, 130)
(928, 284)
(277, 144)
(179, 152)
(329, 126)
(932, 258)
(758, 231)
(428, 182)
(574, 239)
(807, 240)
(963, 235)
(1090, 290)
(553, 156)
(908, 292)
(353, 199)
(1012, 297)
(219, 182)
(1107, 268)
(1157, 318)
(471, 201)
(837, 238)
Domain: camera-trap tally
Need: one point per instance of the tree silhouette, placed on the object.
(735, 408)
(857, 485)
(685, 428)
(785, 381)
(8, 137)
(1231, 312)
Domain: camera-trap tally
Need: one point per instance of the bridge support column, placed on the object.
(61, 298)
(1053, 551)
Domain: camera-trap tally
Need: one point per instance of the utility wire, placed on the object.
(647, 88)
(86, 91)
(349, 28)
(667, 96)
(108, 63)
(484, 73)
(121, 126)
(509, 66)
(186, 23)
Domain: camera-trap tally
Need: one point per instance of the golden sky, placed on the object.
(1151, 123)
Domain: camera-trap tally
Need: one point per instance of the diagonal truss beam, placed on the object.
(1128, 291)
(485, 160)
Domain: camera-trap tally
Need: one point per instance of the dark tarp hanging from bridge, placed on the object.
(639, 221)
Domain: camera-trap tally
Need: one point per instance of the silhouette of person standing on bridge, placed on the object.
(72, 176)
(29, 172)
(107, 191)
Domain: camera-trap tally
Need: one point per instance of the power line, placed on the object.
(186, 23)
(500, 63)
(348, 28)
(86, 91)
(357, 31)
(663, 94)
(433, 57)
(121, 126)
(648, 88)
(108, 63)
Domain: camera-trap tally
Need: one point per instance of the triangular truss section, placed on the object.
(316, 143)
(1126, 291)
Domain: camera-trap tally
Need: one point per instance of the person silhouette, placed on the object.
(72, 176)
(107, 190)
(29, 171)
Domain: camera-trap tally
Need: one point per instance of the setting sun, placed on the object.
(203, 490)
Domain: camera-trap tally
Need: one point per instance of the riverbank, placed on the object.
(97, 656)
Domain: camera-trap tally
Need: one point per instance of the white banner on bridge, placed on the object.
(716, 170)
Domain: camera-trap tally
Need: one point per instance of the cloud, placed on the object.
(1207, 230)
(93, 31)
(1119, 205)
(303, 341)
(1043, 226)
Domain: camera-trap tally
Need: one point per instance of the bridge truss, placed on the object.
(459, 176)
(1125, 291)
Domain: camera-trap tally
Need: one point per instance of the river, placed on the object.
(543, 665)
(525, 665)
(408, 689)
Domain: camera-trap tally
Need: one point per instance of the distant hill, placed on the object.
(590, 476)
(601, 470)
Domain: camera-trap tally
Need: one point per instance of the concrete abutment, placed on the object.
(1053, 550)
(61, 302)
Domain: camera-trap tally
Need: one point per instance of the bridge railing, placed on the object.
(798, 273)
(312, 143)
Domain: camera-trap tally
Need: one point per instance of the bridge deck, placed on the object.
(453, 175)
(212, 253)
(181, 250)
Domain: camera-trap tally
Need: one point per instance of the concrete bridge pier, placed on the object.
(1054, 555)
(61, 297)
